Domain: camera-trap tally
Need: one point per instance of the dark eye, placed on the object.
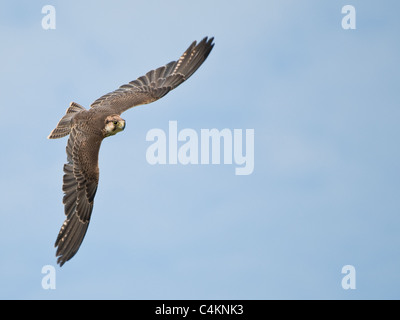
(115, 122)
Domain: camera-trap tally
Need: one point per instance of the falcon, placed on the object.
(88, 128)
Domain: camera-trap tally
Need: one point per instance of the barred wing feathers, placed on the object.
(157, 83)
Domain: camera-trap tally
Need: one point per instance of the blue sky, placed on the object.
(324, 106)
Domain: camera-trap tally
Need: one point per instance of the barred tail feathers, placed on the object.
(63, 127)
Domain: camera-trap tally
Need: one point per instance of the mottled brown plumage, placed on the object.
(88, 128)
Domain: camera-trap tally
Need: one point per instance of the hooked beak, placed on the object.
(121, 125)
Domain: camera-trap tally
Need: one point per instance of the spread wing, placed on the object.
(157, 83)
(81, 176)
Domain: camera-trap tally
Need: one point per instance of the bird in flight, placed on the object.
(88, 128)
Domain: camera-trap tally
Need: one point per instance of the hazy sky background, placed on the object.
(324, 103)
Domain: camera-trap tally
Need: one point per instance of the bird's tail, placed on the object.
(63, 127)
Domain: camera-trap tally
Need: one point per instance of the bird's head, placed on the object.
(113, 124)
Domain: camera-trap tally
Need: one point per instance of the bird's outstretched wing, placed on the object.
(157, 83)
(81, 177)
